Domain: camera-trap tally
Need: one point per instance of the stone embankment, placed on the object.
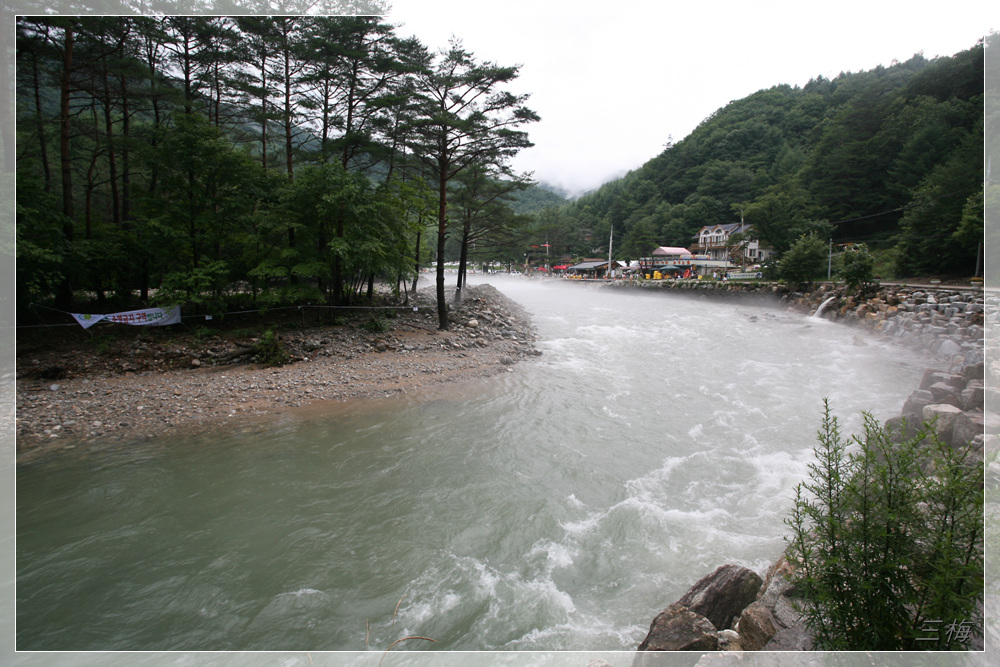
(734, 609)
(945, 321)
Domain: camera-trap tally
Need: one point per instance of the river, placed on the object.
(560, 506)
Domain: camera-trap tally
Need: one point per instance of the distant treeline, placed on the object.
(891, 157)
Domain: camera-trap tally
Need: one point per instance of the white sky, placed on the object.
(611, 87)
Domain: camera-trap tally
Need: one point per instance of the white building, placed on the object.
(713, 241)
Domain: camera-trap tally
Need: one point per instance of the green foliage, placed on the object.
(930, 239)
(377, 323)
(889, 155)
(534, 199)
(41, 245)
(805, 260)
(970, 227)
(201, 285)
(179, 176)
(887, 539)
(858, 267)
(202, 331)
(270, 350)
(103, 342)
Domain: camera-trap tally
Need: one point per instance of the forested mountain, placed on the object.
(536, 198)
(891, 157)
(254, 161)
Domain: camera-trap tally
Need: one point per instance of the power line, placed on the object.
(911, 204)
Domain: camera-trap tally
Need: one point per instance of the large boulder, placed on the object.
(915, 404)
(901, 428)
(973, 395)
(756, 627)
(723, 594)
(796, 638)
(777, 590)
(932, 376)
(946, 393)
(780, 598)
(974, 369)
(965, 427)
(943, 416)
(677, 628)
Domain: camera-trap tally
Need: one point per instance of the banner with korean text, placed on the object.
(157, 317)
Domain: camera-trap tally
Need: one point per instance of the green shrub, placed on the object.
(376, 324)
(270, 350)
(203, 286)
(888, 541)
(858, 267)
(204, 332)
(103, 342)
(806, 259)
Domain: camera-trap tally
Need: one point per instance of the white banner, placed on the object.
(87, 320)
(157, 317)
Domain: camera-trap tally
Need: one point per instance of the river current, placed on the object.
(560, 506)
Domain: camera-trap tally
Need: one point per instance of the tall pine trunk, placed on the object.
(112, 157)
(36, 85)
(463, 260)
(442, 302)
(126, 183)
(416, 261)
(65, 294)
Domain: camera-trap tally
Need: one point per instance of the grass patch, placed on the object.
(270, 350)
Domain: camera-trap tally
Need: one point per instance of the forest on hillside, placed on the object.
(249, 162)
(256, 161)
(891, 157)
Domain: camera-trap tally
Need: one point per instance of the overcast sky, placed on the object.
(612, 88)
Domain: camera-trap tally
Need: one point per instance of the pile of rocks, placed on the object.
(954, 404)
(946, 322)
(732, 609)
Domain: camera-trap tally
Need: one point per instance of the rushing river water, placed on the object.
(559, 506)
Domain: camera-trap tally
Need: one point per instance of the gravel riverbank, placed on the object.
(145, 385)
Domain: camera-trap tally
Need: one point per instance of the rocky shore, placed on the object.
(143, 385)
(947, 321)
(735, 609)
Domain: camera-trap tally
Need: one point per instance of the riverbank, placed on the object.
(146, 384)
(947, 321)
(960, 400)
(736, 609)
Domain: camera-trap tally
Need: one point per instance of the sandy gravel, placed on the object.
(73, 396)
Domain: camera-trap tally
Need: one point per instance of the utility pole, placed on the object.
(611, 244)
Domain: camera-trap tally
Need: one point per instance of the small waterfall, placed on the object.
(822, 306)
